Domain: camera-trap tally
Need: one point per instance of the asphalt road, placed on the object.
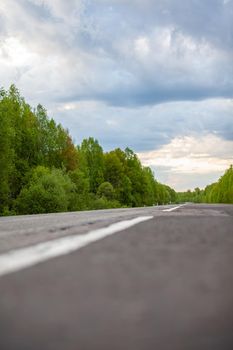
(165, 283)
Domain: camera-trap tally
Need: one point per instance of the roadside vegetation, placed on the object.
(42, 171)
(218, 192)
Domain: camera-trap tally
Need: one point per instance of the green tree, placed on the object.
(6, 150)
(80, 199)
(94, 157)
(135, 174)
(223, 192)
(114, 170)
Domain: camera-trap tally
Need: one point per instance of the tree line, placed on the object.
(218, 192)
(43, 171)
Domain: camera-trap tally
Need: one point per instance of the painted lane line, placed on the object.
(16, 260)
(174, 208)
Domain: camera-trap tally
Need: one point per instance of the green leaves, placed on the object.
(218, 192)
(106, 190)
(48, 191)
(222, 191)
(92, 152)
(42, 171)
(6, 149)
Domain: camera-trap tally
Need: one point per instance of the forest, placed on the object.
(42, 171)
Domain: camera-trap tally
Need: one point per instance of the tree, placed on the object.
(135, 175)
(80, 198)
(224, 189)
(94, 157)
(6, 147)
(114, 170)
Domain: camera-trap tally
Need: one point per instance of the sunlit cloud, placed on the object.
(14, 53)
(189, 156)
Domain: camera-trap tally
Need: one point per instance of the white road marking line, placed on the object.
(174, 208)
(18, 259)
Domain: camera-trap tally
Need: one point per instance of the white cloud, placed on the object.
(142, 46)
(190, 157)
(13, 53)
(194, 155)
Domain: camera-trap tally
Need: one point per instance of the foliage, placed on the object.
(104, 203)
(218, 192)
(106, 190)
(93, 154)
(80, 198)
(222, 191)
(47, 192)
(41, 170)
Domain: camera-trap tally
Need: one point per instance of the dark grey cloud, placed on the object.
(151, 94)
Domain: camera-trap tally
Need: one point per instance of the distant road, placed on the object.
(145, 278)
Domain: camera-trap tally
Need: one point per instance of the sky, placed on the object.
(152, 75)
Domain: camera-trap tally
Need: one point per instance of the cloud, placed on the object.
(209, 19)
(120, 54)
(145, 128)
(190, 157)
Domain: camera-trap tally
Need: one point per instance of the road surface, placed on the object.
(146, 278)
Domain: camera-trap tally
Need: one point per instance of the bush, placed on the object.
(47, 192)
(103, 203)
(106, 190)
